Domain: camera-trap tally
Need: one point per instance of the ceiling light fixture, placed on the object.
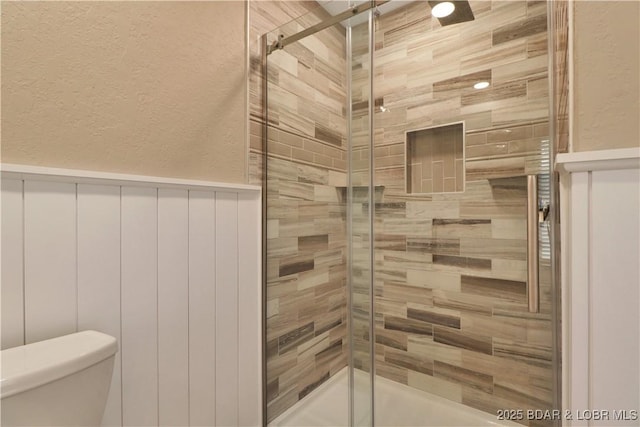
(443, 9)
(449, 12)
(481, 85)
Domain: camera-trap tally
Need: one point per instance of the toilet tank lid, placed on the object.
(33, 365)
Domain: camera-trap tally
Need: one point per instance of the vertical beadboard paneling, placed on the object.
(615, 247)
(173, 307)
(249, 311)
(99, 276)
(227, 309)
(50, 259)
(141, 262)
(12, 279)
(202, 314)
(139, 306)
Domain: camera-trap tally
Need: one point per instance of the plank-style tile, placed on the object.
(494, 248)
(519, 29)
(462, 82)
(481, 344)
(498, 288)
(462, 262)
(308, 388)
(410, 326)
(313, 243)
(296, 265)
(496, 93)
(436, 317)
(462, 376)
(449, 228)
(331, 352)
(293, 338)
(441, 246)
(391, 370)
(391, 338)
(537, 355)
(397, 291)
(407, 360)
(462, 302)
(391, 242)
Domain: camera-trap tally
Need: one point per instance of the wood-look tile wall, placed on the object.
(450, 272)
(450, 269)
(306, 281)
(307, 88)
(306, 231)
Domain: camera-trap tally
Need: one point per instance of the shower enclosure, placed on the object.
(408, 205)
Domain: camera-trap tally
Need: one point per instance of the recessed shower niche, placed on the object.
(435, 159)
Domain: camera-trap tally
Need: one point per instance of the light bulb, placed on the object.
(443, 9)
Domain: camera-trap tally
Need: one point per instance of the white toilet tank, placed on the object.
(63, 381)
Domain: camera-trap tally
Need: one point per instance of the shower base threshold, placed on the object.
(396, 405)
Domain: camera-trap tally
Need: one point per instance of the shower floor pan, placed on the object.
(396, 405)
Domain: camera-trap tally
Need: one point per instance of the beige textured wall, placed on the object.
(152, 88)
(606, 86)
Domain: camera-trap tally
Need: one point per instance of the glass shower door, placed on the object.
(461, 120)
(317, 329)
(400, 157)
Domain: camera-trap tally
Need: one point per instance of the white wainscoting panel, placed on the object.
(12, 264)
(173, 307)
(614, 289)
(139, 343)
(226, 303)
(50, 288)
(202, 307)
(249, 313)
(601, 320)
(170, 268)
(99, 275)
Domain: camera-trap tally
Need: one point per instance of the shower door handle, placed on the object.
(533, 288)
